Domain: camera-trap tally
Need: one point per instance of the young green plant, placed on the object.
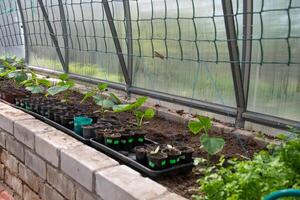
(63, 85)
(14, 69)
(36, 85)
(212, 145)
(135, 108)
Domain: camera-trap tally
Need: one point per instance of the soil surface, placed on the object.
(168, 132)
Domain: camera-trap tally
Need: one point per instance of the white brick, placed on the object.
(27, 176)
(121, 182)
(10, 162)
(35, 163)
(14, 147)
(61, 183)
(83, 194)
(9, 115)
(28, 194)
(48, 145)
(26, 130)
(81, 162)
(2, 139)
(14, 182)
(51, 194)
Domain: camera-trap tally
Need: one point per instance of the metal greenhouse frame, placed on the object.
(240, 63)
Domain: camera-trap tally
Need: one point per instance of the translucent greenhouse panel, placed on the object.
(91, 47)
(275, 78)
(180, 48)
(11, 35)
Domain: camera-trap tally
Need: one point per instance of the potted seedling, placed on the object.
(212, 145)
(173, 155)
(157, 160)
(141, 154)
(112, 139)
(140, 116)
(64, 85)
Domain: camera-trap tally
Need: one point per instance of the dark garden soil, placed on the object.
(168, 132)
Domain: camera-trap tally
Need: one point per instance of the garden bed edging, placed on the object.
(41, 162)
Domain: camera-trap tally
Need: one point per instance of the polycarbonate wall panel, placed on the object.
(180, 47)
(11, 35)
(91, 47)
(275, 87)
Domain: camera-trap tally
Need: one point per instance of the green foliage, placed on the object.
(13, 68)
(95, 92)
(35, 85)
(135, 108)
(63, 85)
(212, 145)
(251, 180)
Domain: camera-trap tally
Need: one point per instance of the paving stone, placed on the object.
(81, 162)
(15, 147)
(35, 163)
(26, 130)
(61, 183)
(121, 182)
(48, 145)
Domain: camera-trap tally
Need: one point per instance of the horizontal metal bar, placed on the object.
(269, 120)
(117, 86)
(207, 106)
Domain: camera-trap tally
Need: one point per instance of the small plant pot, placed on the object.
(9, 97)
(141, 154)
(67, 121)
(99, 134)
(79, 122)
(127, 140)
(186, 154)
(139, 137)
(112, 140)
(57, 115)
(173, 156)
(157, 161)
(17, 101)
(88, 131)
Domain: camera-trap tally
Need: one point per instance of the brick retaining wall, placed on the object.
(38, 161)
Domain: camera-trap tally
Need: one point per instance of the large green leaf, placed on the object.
(205, 122)
(45, 82)
(122, 108)
(149, 113)
(139, 102)
(63, 77)
(18, 75)
(195, 126)
(35, 89)
(105, 103)
(57, 89)
(212, 145)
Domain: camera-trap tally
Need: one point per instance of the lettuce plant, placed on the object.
(212, 145)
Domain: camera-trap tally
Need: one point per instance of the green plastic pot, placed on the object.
(79, 122)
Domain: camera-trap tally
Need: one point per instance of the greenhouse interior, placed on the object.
(149, 99)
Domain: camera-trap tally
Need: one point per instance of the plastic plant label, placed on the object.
(109, 141)
(141, 139)
(163, 163)
(173, 161)
(151, 164)
(130, 140)
(116, 142)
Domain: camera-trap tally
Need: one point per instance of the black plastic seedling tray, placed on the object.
(54, 124)
(125, 157)
(129, 159)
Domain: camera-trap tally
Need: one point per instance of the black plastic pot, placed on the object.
(127, 140)
(67, 121)
(139, 137)
(173, 156)
(112, 140)
(141, 154)
(157, 161)
(186, 154)
(88, 131)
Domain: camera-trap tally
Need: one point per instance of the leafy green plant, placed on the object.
(98, 91)
(13, 68)
(135, 108)
(63, 85)
(36, 85)
(212, 145)
(252, 179)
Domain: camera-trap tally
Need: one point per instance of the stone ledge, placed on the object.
(42, 152)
